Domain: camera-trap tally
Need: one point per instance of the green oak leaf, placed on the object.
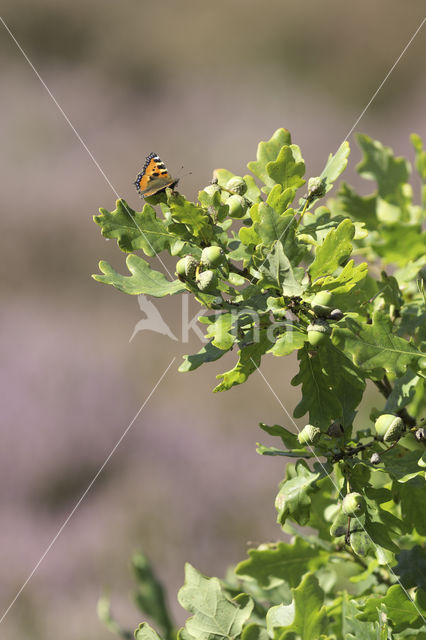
(351, 288)
(208, 353)
(374, 345)
(279, 199)
(249, 358)
(345, 380)
(288, 169)
(150, 596)
(288, 438)
(403, 392)
(293, 499)
(335, 249)
(305, 617)
(267, 152)
(137, 230)
(254, 631)
(145, 632)
(336, 164)
(402, 465)
(399, 608)
(219, 328)
(318, 398)
(358, 207)
(282, 562)
(278, 272)
(352, 628)
(288, 342)
(381, 165)
(400, 243)
(273, 226)
(411, 567)
(412, 494)
(143, 279)
(193, 216)
(216, 617)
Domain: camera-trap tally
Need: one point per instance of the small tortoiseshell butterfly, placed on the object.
(154, 177)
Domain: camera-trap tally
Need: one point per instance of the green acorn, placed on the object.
(309, 434)
(191, 265)
(318, 332)
(207, 280)
(237, 206)
(389, 427)
(237, 185)
(321, 303)
(180, 269)
(353, 504)
(339, 525)
(212, 257)
(211, 189)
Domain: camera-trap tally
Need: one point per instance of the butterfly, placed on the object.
(154, 177)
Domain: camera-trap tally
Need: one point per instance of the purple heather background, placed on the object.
(200, 84)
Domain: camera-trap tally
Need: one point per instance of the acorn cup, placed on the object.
(309, 435)
(191, 265)
(237, 185)
(207, 280)
(321, 303)
(389, 428)
(318, 332)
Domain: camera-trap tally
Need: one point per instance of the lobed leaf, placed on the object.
(143, 279)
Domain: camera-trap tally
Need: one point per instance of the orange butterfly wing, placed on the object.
(154, 177)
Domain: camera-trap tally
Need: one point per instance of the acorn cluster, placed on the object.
(319, 329)
(204, 271)
(233, 196)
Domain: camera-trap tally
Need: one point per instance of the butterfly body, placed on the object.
(154, 177)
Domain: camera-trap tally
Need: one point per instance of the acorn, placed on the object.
(309, 434)
(211, 257)
(336, 314)
(339, 524)
(237, 206)
(207, 280)
(237, 185)
(335, 430)
(353, 504)
(321, 303)
(315, 187)
(318, 332)
(211, 189)
(191, 265)
(389, 428)
(375, 458)
(180, 269)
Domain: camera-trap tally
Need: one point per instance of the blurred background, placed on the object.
(201, 84)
